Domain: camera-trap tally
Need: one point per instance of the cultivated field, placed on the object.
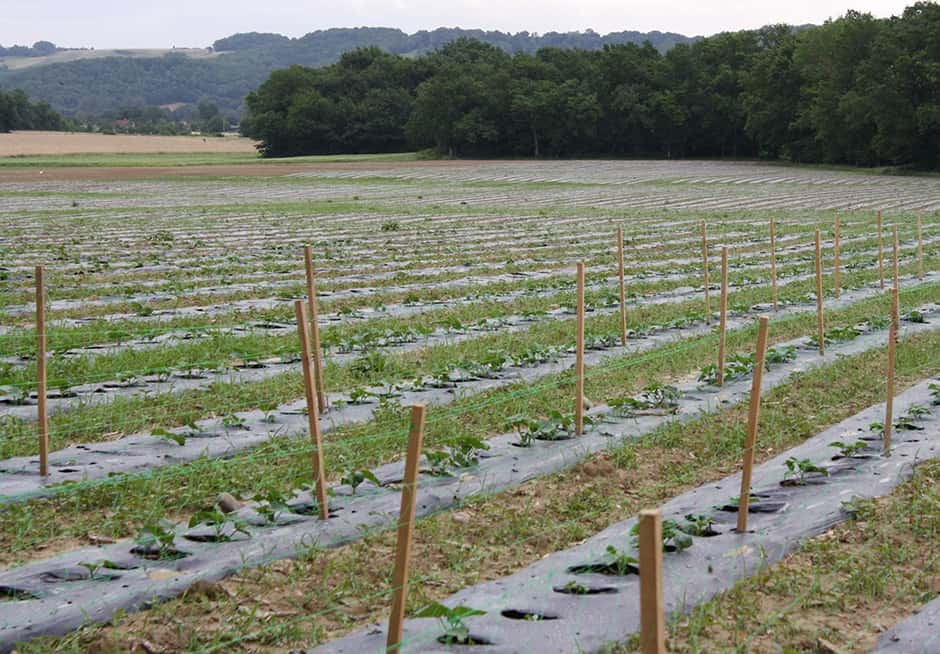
(175, 376)
(20, 144)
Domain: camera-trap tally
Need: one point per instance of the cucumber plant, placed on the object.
(456, 632)
(799, 469)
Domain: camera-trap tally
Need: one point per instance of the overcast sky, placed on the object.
(197, 23)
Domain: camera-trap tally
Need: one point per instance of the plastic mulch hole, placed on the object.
(469, 640)
(14, 594)
(529, 616)
(605, 568)
(158, 554)
(575, 588)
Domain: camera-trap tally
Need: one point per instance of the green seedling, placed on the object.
(655, 397)
(159, 535)
(877, 428)
(451, 620)
(217, 519)
(169, 436)
(674, 538)
(524, 427)
(934, 393)
(915, 316)
(232, 422)
(798, 469)
(849, 450)
(780, 354)
(272, 503)
(354, 478)
(699, 525)
(622, 563)
(270, 412)
(359, 395)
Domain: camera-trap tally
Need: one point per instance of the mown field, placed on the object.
(174, 376)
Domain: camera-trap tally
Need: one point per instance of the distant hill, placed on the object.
(94, 82)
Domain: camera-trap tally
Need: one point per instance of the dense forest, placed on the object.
(94, 87)
(17, 112)
(856, 90)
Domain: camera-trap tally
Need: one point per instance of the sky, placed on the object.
(197, 23)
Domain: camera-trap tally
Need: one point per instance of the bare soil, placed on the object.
(53, 143)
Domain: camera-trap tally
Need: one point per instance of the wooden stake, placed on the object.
(753, 415)
(773, 263)
(579, 358)
(881, 253)
(313, 413)
(897, 255)
(315, 328)
(889, 382)
(723, 316)
(406, 520)
(652, 620)
(835, 262)
(920, 246)
(42, 412)
(820, 320)
(623, 292)
(708, 307)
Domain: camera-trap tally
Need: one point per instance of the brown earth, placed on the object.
(20, 143)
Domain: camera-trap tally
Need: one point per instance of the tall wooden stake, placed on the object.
(579, 358)
(723, 316)
(820, 320)
(753, 415)
(43, 414)
(773, 263)
(708, 307)
(889, 382)
(406, 519)
(881, 253)
(623, 291)
(896, 271)
(920, 246)
(652, 619)
(313, 413)
(315, 328)
(835, 261)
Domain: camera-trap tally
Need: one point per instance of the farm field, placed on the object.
(175, 378)
(29, 143)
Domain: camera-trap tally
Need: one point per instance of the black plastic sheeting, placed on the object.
(919, 634)
(42, 599)
(590, 611)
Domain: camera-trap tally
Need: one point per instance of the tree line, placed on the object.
(856, 90)
(17, 112)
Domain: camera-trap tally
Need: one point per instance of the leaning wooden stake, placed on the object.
(623, 291)
(723, 316)
(315, 328)
(313, 413)
(773, 264)
(579, 358)
(920, 246)
(820, 320)
(837, 287)
(406, 519)
(652, 619)
(881, 253)
(889, 382)
(43, 415)
(708, 307)
(753, 415)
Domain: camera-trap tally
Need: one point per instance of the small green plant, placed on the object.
(270, 412)
(391, 226)
(354, 478)
(218, 519)
(272, 503)
(935, 393)
(524, 427)
(798, 469)
(915, 316)
(780, 354)
(622, 563)
(653, 398)
(158, 538)
(359, 395)
(699, 525)
(232, 422)
(674, 538)
(849, 450)
(169, 436)
(451, 620)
